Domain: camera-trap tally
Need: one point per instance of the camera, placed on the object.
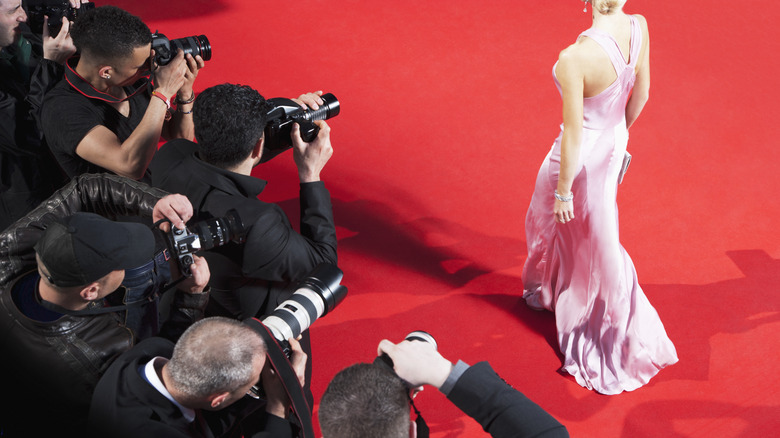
(418, 335)
(314, 296)
(55, 10)
(165, 50)
(283, 112)
(201, 236)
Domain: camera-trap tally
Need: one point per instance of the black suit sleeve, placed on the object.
(275, 252)
(500, 409)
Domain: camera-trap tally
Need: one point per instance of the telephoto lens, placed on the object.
(315, 296)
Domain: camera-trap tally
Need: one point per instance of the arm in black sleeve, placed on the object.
(186, 309)
(275, 252)
(103, 194)
(500, 409)
(46, 76)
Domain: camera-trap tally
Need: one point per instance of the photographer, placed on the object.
(56, 334)
(215, 174)
(103, 115)
(30, 65)
(369, 400)
(197, 388)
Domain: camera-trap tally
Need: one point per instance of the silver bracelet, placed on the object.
(564, 198)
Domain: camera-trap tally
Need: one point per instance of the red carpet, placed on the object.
(447, 111)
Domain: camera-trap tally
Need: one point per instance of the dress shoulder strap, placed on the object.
(636, 41)
(610, 45)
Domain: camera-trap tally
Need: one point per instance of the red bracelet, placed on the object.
(167, 102)
(162, 97)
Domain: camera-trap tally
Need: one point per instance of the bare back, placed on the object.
(597, 69)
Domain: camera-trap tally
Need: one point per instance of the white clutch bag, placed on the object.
(624, 167)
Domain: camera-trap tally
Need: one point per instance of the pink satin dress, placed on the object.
(610, 334)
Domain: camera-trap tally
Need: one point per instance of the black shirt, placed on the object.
(73, 108)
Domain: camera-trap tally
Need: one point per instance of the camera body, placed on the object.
(314, 296)
(203, 235)
(165, 50)
(282, 113)
(55, 10)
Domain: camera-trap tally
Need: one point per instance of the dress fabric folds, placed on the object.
(610, 335)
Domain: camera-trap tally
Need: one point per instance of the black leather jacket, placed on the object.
(107, 195)
(55, 365)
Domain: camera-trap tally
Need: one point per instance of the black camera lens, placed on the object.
(202, 236)
(194, 45)
(165, 50)
(219, 231)
(330, 108)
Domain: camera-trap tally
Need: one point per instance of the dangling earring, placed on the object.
(585, 6)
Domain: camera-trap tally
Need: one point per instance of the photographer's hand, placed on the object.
(169, 78)
(278, 402)
(199, 280)
(309, 100)
(310, 158)
(61, 47)
(417, 362)
(176, 208)
(186, 91)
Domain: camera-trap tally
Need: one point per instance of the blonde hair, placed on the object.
(606, 7)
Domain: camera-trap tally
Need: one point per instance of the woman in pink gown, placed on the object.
(611, 336)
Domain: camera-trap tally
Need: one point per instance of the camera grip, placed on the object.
(309, 130)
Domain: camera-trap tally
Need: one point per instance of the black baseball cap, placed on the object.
(85, 247)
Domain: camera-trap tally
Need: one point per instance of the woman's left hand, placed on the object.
(563, 211)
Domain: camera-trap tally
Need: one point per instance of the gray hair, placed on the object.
(215, 355)
(365, 400)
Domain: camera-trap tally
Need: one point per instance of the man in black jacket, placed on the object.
(369, 400)
(215, 174)
(55, 335)
(251, 278)
(197, 388)
(30, 65)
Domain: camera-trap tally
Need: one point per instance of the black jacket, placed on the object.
(500, 409)
(273, 251)
(126, 405)
(28, 171)
(107, 195)
(51, 368)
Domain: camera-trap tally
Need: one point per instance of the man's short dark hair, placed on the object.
(229, 121)
(365, 400)
(108, 33)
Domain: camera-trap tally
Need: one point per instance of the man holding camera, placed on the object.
(198, 388)
(104, 116)
(30, 65)
(370, 400)
(215, 174)
(56, 335)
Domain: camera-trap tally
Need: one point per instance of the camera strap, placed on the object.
(86, 89)
(281, 364)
